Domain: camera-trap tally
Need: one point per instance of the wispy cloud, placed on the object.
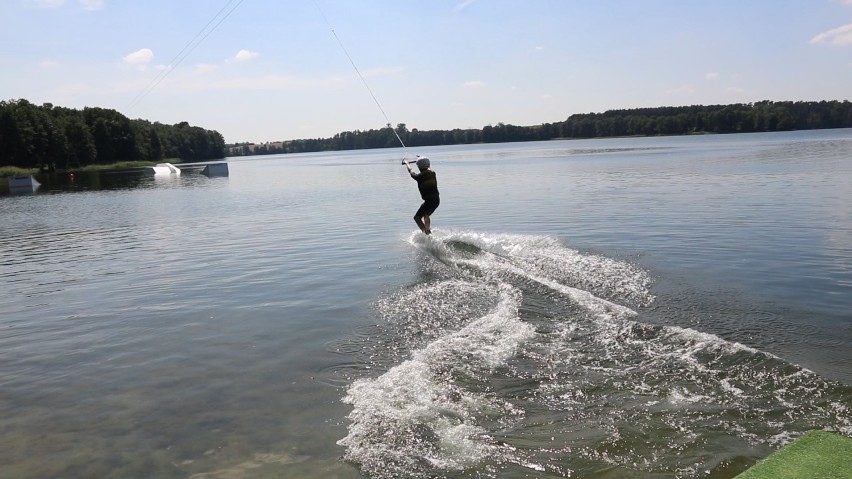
(681, 90)
(206, 77)
(92, 5)
(735, 91)
(205, 67)
(244, 55)
(269, 82)
(838, 36)
(712, 76)
(461, 6)
(474, 84)
(72, 89)
(69, 93)
(380, 71)
(133, 85)
(48, 64)
(46, 3)
(195, 83)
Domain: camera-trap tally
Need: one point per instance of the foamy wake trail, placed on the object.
(544, 260)
(600, 388)
(414, 418)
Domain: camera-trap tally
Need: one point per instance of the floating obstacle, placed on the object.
(817, 454)
(23, 184)
(208, 169)
(215, 169)
(162, 169)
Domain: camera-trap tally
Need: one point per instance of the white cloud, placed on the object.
(47, 64)
(734, 91)
(139, 57)
(711, 76)
(92, 5)
(474, 84)
(837, 36)
(539, 49)
(243, 55)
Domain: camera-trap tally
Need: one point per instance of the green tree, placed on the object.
(113, 135)
(81, 143)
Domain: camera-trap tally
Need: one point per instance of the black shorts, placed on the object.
(427, 208)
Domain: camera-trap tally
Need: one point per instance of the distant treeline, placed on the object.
(50, 137)
(738, 118)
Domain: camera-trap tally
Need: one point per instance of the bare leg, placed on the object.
(427, 222)
(420, 224)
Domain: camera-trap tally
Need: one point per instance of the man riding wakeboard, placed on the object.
(427, 183)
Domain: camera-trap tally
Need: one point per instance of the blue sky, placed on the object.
(273, 70)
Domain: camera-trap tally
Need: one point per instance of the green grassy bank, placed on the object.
(817, 454)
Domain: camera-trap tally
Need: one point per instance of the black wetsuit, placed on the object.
(427, 183)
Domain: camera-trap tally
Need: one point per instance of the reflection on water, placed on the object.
(112, 180)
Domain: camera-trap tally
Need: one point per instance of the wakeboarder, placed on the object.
(427, 183)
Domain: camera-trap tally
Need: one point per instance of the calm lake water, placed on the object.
(642, 307)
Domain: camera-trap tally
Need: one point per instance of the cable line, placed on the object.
(181, 55)
(362, 77)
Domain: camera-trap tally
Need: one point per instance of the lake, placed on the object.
(631, 307)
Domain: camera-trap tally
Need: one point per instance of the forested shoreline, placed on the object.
(762, 116)
(51, 137)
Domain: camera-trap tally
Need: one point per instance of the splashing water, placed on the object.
(419, 415)
(522, 356)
